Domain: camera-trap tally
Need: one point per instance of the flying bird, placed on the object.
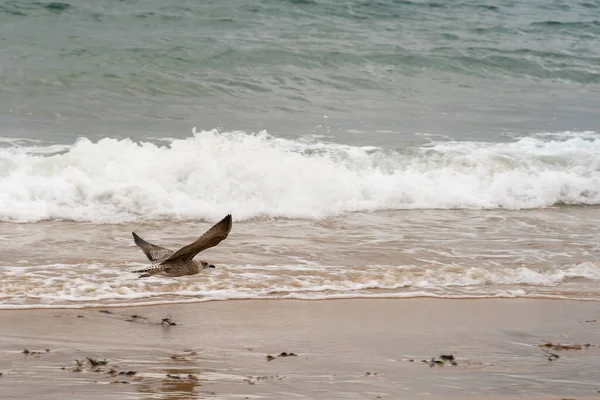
(180, 263)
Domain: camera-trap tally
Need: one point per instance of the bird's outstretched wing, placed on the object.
(155, 253)
(210, 238)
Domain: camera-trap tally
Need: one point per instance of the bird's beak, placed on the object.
(211, 266)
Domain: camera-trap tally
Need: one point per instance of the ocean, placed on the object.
(389, 148)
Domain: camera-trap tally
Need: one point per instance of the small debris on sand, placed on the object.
(134, 318)
(31, 352)
(184, 357)
(77, 368)
(565, 346)
(105, 311)
(173, 376)
(128, 373)
(253, 380)
(167, 322)
(433, 362)
(441, 362)
(94, 362)
(284, 354)
(551, 356)
(94, 367)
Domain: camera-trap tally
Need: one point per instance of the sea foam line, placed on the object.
(339, 296)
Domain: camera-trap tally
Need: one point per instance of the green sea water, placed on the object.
(363, 72)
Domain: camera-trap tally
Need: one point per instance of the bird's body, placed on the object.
(174, 269)
(180, 263)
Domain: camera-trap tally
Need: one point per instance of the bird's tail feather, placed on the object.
(148, 271)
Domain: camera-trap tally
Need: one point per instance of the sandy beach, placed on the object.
(343, 349)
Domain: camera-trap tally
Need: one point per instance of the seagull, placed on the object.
(180, 263)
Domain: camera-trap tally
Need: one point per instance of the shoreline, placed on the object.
(345, 349)
(358, 298)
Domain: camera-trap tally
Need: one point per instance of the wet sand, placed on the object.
(345, 349)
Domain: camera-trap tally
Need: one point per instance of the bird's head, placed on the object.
(206, 265)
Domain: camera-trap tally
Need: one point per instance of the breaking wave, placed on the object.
(255, 175)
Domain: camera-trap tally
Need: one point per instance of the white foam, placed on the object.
(63, 285)
(250, 175)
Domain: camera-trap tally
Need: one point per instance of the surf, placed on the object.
(254, 175)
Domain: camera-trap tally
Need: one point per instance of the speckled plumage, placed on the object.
(180, 263)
